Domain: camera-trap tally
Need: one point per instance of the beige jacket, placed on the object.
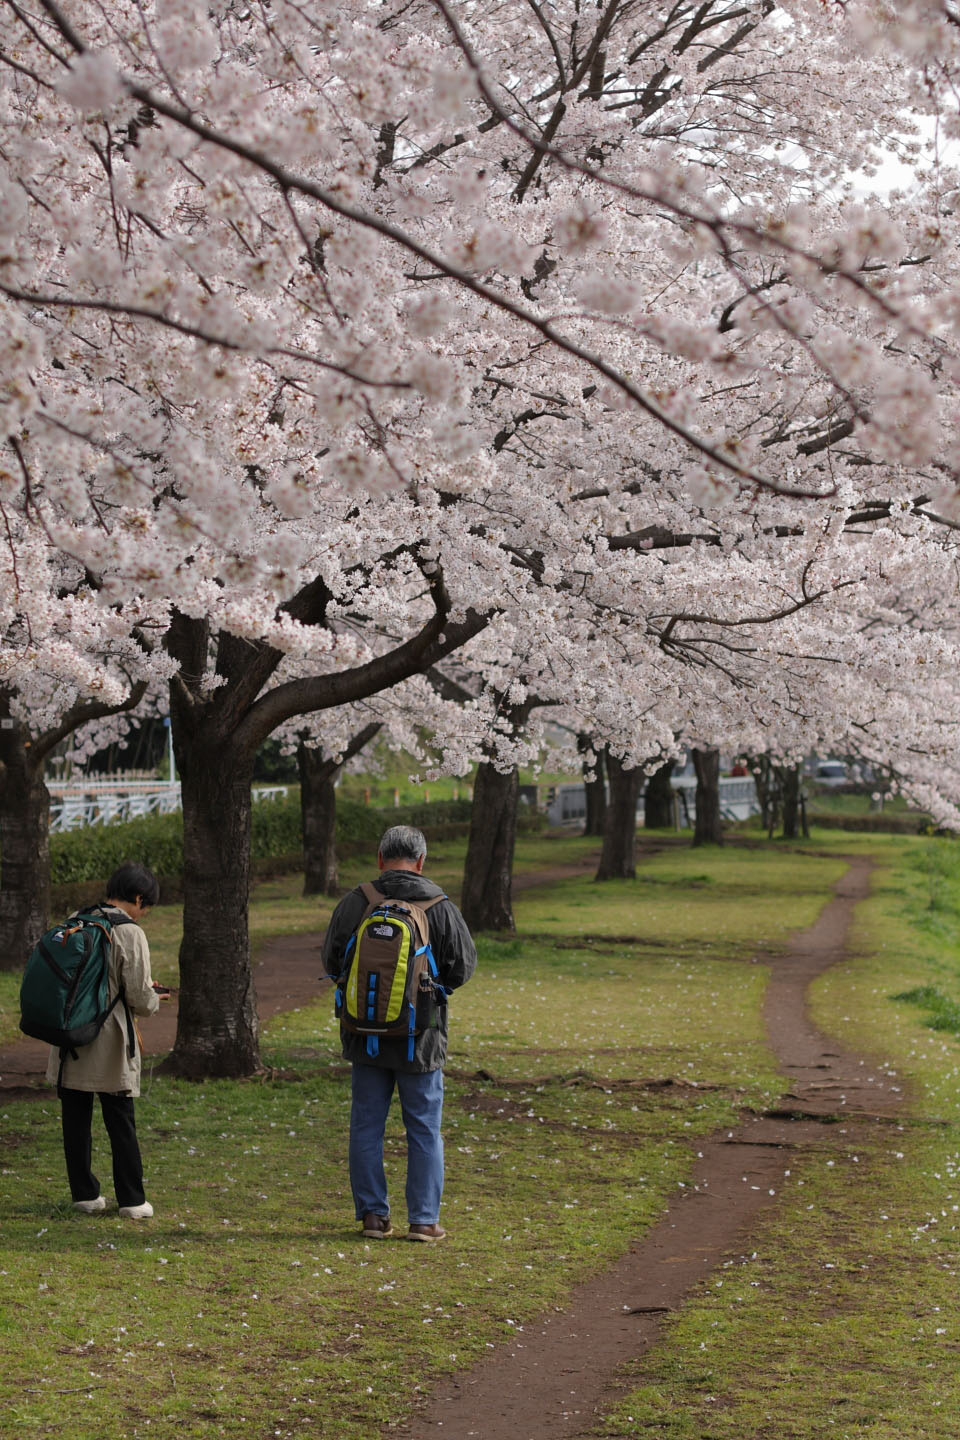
(106, 1064)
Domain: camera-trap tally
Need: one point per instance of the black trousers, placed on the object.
(76, 1115)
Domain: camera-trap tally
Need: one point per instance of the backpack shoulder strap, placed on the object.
(419, 909)
(371, 894)
(106, 924)
(426, 905)
(121, 996)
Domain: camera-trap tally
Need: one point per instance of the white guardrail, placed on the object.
(73, 804)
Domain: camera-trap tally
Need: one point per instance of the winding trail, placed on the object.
(555, 1379)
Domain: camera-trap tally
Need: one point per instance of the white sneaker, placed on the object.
(91, 1207)
(137, 1212)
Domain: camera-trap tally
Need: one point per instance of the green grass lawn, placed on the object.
(249, 1307)
(843, 1320)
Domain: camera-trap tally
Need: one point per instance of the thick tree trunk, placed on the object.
(24, 850)
(217, 1021)
(618, 857)
(658, 799)
(596, 793)
(707, 827)
(486, 901)
(318, 811)
(791, 802)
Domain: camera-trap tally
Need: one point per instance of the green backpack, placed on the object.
(65, 992)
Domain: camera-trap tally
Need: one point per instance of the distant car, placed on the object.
(831, 772)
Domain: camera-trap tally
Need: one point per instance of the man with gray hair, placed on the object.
(413, 1067)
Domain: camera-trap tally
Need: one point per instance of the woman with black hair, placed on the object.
(110, 1065)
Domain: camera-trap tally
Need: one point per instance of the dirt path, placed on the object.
(554, 1379)
(285, 976)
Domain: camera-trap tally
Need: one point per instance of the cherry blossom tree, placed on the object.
(326, 743)
(658, 798)
(66, 661)
(365, 336)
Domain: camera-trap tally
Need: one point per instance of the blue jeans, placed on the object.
(421, 1104)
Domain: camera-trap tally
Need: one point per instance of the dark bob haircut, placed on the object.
(133, 882)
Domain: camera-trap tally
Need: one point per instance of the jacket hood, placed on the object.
(405, 885)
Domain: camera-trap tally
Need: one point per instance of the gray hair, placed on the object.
(402, 842)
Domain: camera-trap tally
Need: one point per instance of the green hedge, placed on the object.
(92, 853)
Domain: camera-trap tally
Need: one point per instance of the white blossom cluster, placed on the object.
(578, 339)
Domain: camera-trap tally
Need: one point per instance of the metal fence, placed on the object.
(73, 805)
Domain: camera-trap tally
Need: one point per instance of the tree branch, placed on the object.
(433, 642)
(79, 715)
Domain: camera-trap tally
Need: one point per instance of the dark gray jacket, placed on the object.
(453, 950)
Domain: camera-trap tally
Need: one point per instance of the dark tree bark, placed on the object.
(707, 828)
(25, 823)
(24, 850)
(790, 781)
(769, 782)
(318, 815)
(658, 799)
(318, 811)
(217, 1031)
(595, 790)
(486, 901)
(216, 734)
(618, 857)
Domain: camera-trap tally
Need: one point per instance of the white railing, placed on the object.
(73, 804)
(738, 800)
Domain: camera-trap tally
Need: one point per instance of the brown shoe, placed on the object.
(376, 1227)
(426, 1234)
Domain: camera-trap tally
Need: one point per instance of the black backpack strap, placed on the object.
(131, 1028)
(121, 995)
(121, 999)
